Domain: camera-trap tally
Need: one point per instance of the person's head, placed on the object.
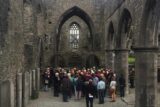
(84, 70)
(94, 67)
(56, 74)
(102, 75)
(47, 69)
(69, 74)
(90, 81)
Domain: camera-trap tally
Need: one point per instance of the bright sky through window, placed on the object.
(74, 36)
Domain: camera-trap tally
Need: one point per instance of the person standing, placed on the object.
(56, 84)
(95, 82)
(101, 88)
(90, 89)
(66, 88)
(113, 89)
(79, 87)
(122, 85)
(131, 78)
(47, 78)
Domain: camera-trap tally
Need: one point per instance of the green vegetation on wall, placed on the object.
(131, 60)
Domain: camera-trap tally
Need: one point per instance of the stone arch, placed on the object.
(110, 37)
(123, 29)
(92, 60)
(121, 50)
(110, 46)
(74, 11)
(148, 23)
(74, 22)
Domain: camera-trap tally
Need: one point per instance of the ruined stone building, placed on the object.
(35, 34)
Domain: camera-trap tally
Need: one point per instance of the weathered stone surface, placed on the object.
(7, 94)
(30, 84)
(146, 90)
(26, 89)
(19, 90)
(29, 29)
(38, 79)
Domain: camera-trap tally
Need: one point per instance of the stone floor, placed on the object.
(47, 100)
(130, 98)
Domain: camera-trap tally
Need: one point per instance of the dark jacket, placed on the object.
(90, 89)
(79, 85)
(66, 84)
(122, 82)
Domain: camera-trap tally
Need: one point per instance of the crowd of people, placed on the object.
(89, 83)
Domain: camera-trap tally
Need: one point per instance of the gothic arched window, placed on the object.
(74, 36)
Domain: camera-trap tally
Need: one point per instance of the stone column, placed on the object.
(146, 77)
(121, 65)
(26, 89)
(19, 90)
(158, 87)
(34, 82)
(38, 79)
(33, 79)
(110, 59)
(30, 84)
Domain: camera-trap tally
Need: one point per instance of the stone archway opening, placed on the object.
(75, 60)
(110, 46)
(74, 11)
(92, 61)
(78, 17)
(124, 31)
(123, 43)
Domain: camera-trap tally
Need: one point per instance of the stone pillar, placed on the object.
(121, 65)
(33, 79)
(30, 84)
(38, 79)
(158, 86)
(26, 89)
(146, 77)
(110, 59)
(34, 83)
(19, 90)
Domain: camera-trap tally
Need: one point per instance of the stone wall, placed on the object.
(28, 30)
(55, 10)
(84, 44)
(14, 36)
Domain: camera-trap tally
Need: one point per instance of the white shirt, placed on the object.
(101, 85)
(113, 85)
